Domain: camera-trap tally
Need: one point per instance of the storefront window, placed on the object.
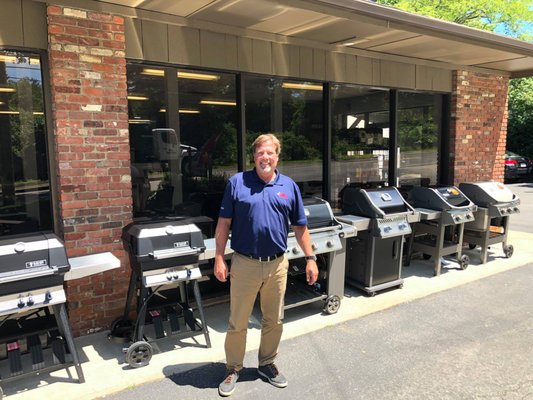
(25, 203)
(293, 111)
(419, 131)
(183, 140)
(360, 138)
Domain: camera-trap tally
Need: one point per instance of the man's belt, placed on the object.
(264, 258)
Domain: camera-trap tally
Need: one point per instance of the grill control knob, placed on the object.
(387, 229)
(169, 276)
(30, 301)
(329, 243)
(47, 297)
(314, 246)
(515, 209)
(509, 210)
(457, 218)
(21, 303)
(295, 250)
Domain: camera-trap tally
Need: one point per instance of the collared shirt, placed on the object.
(261, 212)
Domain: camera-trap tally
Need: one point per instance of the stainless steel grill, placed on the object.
(496, 203)
(382, 218)
(164, 257)
(443, 212)
(328, 237)
(35, 335)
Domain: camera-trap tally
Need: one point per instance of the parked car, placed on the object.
(517, 166)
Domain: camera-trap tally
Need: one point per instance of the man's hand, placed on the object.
(221, 270)
(311, 272)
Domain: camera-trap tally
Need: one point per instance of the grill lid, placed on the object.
(443, 198)
(485, 194)
(318, 213)
(163, 239)
(32, 256)
(374, 203)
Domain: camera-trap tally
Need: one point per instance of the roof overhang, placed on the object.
(354, 25)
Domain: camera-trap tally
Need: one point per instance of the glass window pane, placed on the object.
(293, 112)
(182, 169)
(360, 138)
(208, 120)
(25, 203)
(419, 131)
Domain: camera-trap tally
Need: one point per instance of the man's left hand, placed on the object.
(311, 272)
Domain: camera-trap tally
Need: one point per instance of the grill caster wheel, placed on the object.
(332, 304)
(508, 251)
(471, 246)
(464, 261)
(139, 354)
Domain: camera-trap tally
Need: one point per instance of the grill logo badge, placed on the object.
(181, 244)
(36, 264)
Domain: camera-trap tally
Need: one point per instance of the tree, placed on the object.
(511, 17)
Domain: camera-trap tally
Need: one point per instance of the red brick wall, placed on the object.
(478, 127)
(90, 118)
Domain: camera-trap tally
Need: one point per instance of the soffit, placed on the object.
(366, 26)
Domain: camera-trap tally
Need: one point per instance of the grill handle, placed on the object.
(8, 278)
(163, 254)
(395, 250)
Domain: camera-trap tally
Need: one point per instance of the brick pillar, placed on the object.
(90, 119)
(478, 127)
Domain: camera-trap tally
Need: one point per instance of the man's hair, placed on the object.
(265, 138)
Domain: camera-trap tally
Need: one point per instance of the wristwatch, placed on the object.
(313, 257)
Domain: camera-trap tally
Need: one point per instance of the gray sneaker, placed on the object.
(272, 374)
(227, 387)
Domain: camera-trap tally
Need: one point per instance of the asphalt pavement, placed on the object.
(470, 342)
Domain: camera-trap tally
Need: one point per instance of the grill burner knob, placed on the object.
(20, 247)
(402, 226)
(21, 304)
(509, 210)
(169, 230)
(314, 246)
(30, 301)
(329, 243)
(457, 218)
(47, 297)
(295, 250)
(515, 209)
(169, 276)
(387, 229)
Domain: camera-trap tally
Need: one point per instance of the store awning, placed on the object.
(353, 25)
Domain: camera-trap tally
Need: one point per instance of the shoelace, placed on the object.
(274, 369)
(229, 376)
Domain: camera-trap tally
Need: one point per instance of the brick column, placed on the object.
(90, 119)
(478, 127)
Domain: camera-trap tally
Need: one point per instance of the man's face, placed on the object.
(265, 159)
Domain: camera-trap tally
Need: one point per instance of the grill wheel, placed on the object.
(139, 354)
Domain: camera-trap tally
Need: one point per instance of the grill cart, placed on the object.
(164, 258)
(382, 217)
(443, 213)
(496, 203)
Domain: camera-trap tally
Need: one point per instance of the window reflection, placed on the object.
(183, 139)
(360, 138)
(419, 130)
(25, 204)
(293, 111)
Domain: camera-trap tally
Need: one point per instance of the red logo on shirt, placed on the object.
(283, 195)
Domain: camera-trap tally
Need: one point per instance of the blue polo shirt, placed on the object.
(261, 212)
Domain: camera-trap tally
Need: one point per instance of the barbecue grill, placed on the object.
(382, 217)
(328, 237)
(35, 328)
(443, 213)
(496, 203)
(164, 257)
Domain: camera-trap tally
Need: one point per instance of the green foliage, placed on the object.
(520, 123)
(482, 14)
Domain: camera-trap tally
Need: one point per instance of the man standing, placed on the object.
(257, 207)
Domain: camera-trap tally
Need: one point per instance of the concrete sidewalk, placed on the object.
(103, 361)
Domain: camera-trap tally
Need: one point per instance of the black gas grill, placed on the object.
(443, 212)
(164, 257)
(327, 236)
(382, 217)
(496, 203)
(35, 335)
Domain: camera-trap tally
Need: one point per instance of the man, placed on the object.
(258, 206)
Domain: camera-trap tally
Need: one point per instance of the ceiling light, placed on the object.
(7, 89)
(219, 102)
(153, 72)
(139, 121)
(303, 86)
(198, 76)
(183, 111)
(140, 98)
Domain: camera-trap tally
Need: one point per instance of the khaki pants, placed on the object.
(249, 277)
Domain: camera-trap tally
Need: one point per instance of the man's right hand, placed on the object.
(221, 270)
